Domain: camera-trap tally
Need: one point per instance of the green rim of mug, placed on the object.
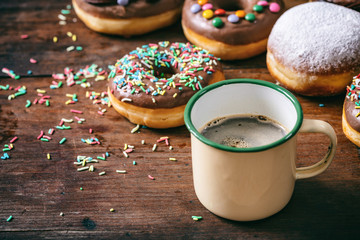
(273, 86)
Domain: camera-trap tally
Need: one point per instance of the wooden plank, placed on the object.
(35, 190)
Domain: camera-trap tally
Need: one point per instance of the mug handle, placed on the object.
(318, 126)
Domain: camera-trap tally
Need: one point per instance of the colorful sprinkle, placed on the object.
(76, 111)
(62, 141)
(82, 169)
(196, 218)
(32, 60)
(135, 129)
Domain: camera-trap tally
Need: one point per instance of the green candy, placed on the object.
(250, 17)
(258, 8)
(217, 22)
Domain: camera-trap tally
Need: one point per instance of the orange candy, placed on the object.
(240, 13)
(202, 2)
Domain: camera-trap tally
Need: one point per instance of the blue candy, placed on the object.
(123, 2)
(233, 18)
(195, 8)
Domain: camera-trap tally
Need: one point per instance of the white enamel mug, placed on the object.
(246, 184)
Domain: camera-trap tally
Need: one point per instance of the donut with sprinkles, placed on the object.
(151, 85)
(230, 29)
(351, 111)
(127, 17)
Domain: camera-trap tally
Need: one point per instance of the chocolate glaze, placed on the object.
(350, 114)
(243, 32)
(135, 8)
(167, 100)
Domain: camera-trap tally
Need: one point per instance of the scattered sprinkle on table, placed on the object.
(62, 141)
(154, 147)
(151, 177)
(9, 218)
(197, 218)
(135, 129)
(32, 60)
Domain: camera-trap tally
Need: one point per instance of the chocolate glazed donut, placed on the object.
(351, 112)
(230, 29)
(127, 17)
(152, 84)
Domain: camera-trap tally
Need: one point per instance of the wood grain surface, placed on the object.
(50, 199)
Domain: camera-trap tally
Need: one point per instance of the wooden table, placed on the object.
(49, 198)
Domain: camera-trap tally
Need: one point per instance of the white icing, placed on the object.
(317, 37)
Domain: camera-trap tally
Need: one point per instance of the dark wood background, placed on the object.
(35, 190)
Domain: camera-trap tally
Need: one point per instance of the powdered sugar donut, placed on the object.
(314, 48)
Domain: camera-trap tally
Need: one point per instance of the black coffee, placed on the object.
(243, 131)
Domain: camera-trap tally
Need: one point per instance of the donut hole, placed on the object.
(229, 6)
(164, 72)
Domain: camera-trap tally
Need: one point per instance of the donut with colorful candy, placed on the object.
(127, 17)
(151, 85)
(230, 29)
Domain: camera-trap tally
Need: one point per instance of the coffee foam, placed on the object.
(243, 131)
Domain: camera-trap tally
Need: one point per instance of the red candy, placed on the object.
(219, 12)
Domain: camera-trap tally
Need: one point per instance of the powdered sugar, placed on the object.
(317, 37)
